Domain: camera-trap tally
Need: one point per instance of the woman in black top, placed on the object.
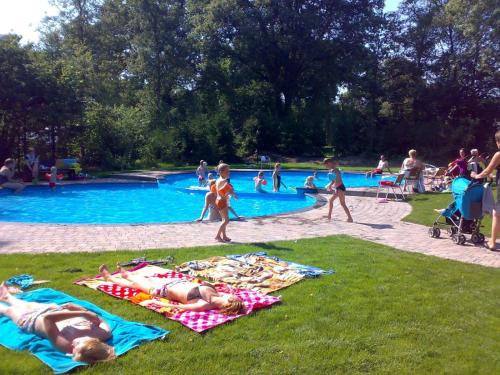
(493, 165)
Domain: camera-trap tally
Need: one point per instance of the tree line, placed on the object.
(127, 83)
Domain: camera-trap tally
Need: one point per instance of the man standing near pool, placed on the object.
(337, 187)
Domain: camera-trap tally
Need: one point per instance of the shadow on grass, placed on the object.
(270, 246)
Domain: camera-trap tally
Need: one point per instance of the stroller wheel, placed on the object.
(476, 238)
(461, 239)
(481, 237)
(451, 231)
(434, 232)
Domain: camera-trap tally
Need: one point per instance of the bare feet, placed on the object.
(4, 292)
(104, 272)
(490, 246)
(226, 239)
(123, 271)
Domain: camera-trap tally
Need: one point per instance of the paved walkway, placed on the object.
(377, 222)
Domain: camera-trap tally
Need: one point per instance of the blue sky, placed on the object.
(23, 16)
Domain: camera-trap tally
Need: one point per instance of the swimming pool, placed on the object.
(174, 199)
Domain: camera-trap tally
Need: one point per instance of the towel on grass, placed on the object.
(198, 321)
(126, 335)
(255, 271)
(260, 256)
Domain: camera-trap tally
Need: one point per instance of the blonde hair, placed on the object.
(233, 306)
(412, 153)
(94, 350)
(222, 166)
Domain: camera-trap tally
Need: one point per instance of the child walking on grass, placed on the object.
(337, 186)
(224, 189)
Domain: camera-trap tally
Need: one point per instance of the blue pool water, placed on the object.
(174, 199)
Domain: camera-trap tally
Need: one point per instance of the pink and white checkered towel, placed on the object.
(198, 321)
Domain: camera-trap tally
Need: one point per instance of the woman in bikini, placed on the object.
(492, 166)
(224, 189)
(191, 296)
(69, 327)
(337, 186)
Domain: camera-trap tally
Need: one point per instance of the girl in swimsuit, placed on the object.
(191, 296)
(337, 186)
(223, 189)
(69, 327)
(494, 164)
(277, 177)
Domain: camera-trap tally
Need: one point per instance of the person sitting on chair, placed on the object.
(382, 165)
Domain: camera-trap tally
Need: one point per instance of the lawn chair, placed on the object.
(412, 178)
(437, 178)
(392, 186)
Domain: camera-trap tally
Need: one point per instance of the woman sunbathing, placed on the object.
(69, 327)
(191, 296)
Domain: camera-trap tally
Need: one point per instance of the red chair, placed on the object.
(392, 186)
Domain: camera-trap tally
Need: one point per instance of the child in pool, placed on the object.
(277, 177)
(70, 328)
(200, 172)
(337, 186)
(210, 198)
(53, 178)
(224, 189)
(309, 182)
(258, 182)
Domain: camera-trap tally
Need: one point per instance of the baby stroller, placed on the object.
(464, 214)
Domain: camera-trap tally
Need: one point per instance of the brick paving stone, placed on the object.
(377, 222)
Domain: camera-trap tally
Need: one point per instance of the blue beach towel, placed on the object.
(126, 335)
(307, 271)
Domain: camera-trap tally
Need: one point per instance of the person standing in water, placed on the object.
(337, 186)
(201, 171)
(277, 177)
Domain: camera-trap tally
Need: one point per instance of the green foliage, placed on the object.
(145, 81)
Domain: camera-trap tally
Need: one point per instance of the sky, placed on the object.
(24, 16)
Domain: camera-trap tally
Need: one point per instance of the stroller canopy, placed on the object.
(468, 197)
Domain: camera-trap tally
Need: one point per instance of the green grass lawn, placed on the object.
(423, 206)
(384, 311)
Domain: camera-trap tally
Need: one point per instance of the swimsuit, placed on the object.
(162, 292)
(3, 179)
(333, 176)
(341, 187)
(221, 201)
(28, 320)
(194, 293)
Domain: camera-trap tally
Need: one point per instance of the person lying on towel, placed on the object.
(191, 296)
(69, 327)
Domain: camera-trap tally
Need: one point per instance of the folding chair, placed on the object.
(412, 177)
(437, 178)
(393, 187)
